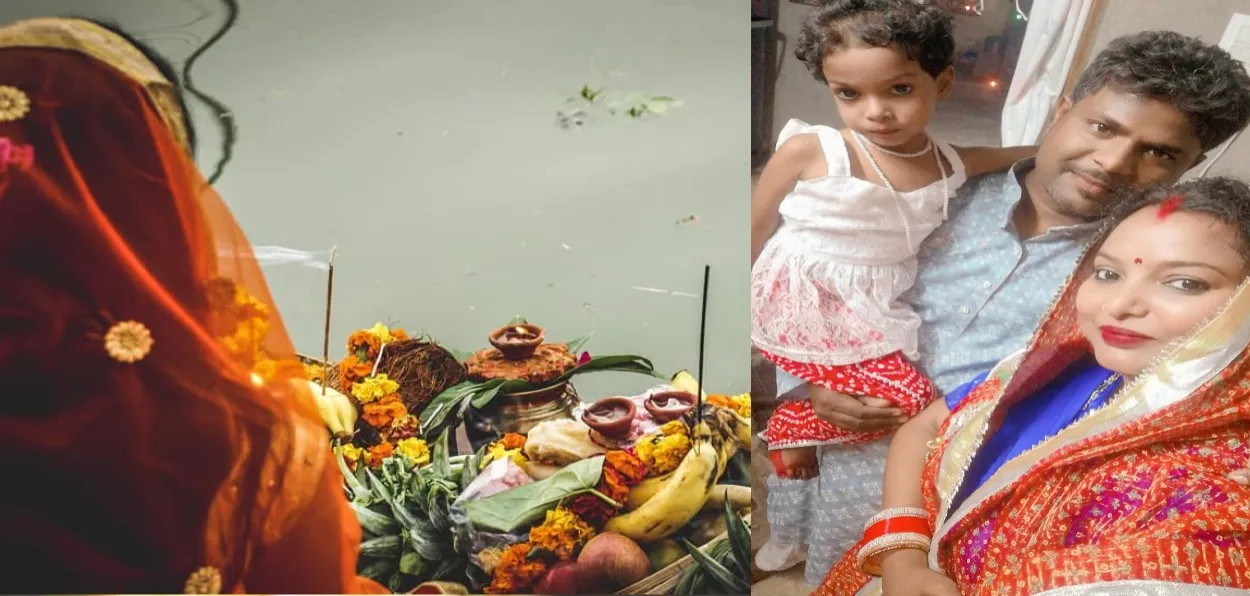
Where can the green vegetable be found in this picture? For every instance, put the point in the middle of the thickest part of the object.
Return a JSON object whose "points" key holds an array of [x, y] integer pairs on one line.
{"points": [[386, 546], [517, 508], [724, 565]]}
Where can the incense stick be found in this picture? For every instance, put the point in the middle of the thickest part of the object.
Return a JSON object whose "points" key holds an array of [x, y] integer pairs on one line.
{"points": [[698, 396], [325, 339]]}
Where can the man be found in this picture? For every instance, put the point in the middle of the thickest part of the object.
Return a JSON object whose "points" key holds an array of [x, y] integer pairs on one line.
{"points": [[1146, 111]]}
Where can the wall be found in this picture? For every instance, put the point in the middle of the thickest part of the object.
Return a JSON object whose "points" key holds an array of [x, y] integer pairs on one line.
{"points": [[1122, 17], [420, 138]]}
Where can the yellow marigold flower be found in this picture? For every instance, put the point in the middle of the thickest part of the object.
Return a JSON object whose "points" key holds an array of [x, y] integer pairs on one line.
{"points": [[314, 372], [352, 455], [384, 333], [374, 388], [562, 533], [674, 427], [498, 450], [416, 450], [488, 559], [662, 453], [740, 404]]}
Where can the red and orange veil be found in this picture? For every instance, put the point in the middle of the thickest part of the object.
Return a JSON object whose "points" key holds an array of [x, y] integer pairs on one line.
{"points": [[156, 430]]}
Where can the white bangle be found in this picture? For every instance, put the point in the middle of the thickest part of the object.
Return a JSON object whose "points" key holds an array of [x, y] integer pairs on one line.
{"points": [[866, 559]]}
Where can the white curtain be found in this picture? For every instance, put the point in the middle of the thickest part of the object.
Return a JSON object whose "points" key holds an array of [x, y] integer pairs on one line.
{"points": [[1050, 44]]}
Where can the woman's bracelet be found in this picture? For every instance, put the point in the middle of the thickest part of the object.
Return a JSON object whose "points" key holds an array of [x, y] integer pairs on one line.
{"points": [[893, 529]]}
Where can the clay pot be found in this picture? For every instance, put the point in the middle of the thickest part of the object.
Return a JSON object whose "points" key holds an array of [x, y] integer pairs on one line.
{"points": [[517, 342], [669, 405], [612, 417]]}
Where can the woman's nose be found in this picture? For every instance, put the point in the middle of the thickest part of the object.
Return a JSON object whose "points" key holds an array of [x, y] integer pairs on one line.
{"points": [[1124, 302]]}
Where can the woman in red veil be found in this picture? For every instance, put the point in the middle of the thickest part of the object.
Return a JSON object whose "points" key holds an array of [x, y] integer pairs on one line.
{"points": [[157, 432]]}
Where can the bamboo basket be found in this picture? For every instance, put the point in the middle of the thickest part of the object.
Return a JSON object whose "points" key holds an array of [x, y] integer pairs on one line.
{"points": [[664, 580]]}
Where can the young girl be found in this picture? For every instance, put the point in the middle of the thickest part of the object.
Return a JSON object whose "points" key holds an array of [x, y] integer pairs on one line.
{"points": [[854, 206]]}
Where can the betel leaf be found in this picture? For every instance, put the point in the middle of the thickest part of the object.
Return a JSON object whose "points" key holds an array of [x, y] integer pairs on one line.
{"points": [[513, 509]]}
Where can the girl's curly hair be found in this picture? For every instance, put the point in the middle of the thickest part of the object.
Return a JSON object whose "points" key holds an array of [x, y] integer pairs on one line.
{"points": [[917, 28]]}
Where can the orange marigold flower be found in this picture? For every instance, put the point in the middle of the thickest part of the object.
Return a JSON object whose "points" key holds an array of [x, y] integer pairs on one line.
{"points": [[513, 441], [562, 533], [399, 334], [381, 413], [613, 485], [352, 371], [631, 469], [516, 573], [379, 452], [364, 345]]}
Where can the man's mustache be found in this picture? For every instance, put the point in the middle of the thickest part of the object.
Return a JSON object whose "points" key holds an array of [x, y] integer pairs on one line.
{"points": [[1098, 176]]}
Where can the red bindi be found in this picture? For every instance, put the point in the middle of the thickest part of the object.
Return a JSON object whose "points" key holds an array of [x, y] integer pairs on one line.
{"points": [[1137, 261]]}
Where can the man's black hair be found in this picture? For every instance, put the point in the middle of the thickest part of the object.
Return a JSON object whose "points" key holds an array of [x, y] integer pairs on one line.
{"points": [[1202, 81]]}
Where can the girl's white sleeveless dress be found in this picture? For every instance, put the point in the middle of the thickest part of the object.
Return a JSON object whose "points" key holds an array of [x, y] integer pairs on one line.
{"points": [[825, 290]]}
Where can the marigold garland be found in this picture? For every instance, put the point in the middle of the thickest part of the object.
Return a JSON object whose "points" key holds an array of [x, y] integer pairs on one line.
{"points": [[381, 413], [739, 404]]}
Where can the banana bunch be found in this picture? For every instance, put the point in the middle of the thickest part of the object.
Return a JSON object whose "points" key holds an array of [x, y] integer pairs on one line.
{"points": [[338, 412], [681, 496], [684, 381]]}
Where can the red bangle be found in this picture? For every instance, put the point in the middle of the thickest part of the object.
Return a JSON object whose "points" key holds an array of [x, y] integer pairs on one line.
{"points": [[903, 524]]}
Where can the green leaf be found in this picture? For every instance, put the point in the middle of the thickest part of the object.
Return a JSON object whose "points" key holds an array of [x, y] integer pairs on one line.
{"points": [[451, 401], [575, 346], [487, 395], [411, 563], [427, 543], [518, 320], [439, 457], [739, 541], [520, 507], [396, 583], [373, 522], [379, 570], [384, 546], [722, 576]]}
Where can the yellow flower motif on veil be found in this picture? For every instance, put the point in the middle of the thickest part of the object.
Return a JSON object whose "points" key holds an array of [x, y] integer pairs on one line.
{"points": [[205, 580], [13, 104]]}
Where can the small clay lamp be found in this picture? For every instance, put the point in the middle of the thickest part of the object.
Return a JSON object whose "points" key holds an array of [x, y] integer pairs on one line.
{"points": [[669, 405], [517, 342], [612, 417]]}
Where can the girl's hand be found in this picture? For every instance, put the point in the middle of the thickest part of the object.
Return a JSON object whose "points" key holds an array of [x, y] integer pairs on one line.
{"points": [[906, 572]]}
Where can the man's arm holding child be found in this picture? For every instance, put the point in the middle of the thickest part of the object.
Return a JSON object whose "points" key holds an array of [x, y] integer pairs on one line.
{"points": [[984, 160]]}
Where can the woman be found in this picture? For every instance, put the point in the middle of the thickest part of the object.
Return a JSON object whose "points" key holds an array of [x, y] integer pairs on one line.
{"points": [[158, 434], [1098, 459]]}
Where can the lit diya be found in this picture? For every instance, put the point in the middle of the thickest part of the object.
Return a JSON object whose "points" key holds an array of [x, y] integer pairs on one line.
{"points": [[669, 405], [612, 417], [517, 342]]}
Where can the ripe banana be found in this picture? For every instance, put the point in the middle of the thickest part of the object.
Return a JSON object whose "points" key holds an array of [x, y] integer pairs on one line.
{"points": [[643, 491], [338, 412], [684, 381], [681, 498]]}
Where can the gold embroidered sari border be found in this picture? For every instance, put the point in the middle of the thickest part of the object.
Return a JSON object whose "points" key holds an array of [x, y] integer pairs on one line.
{"points": [[98, 43]]}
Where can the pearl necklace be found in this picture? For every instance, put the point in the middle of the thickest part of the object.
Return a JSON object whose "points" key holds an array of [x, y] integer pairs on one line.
{"points": [[928, 146], [898, 198]]}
